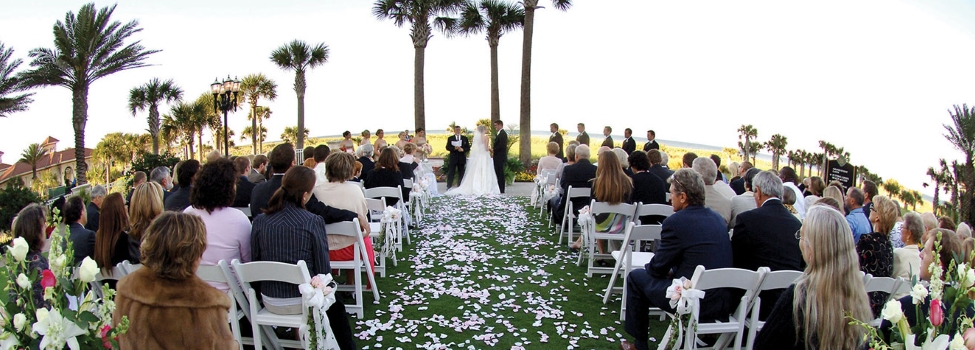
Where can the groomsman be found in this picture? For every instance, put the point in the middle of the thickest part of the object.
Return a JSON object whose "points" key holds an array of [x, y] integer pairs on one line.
{"points": [[628, 144], [557, 138], [583, 137], [458, 145], [652, 143], [608, 142], [500, 153]]}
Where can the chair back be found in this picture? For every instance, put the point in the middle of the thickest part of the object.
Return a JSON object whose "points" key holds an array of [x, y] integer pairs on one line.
{"points": [[880, 284], [257, 271], [779, 279], [376, 207], [211, 273], [577, 192], [407, 183], [746, 280], [383, 192], [654, 209], [624, 209], [644, 233], [344, 228], [246, 210]]}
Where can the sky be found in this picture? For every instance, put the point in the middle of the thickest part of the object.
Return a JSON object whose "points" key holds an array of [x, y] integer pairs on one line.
{"points": [[874, 76]]}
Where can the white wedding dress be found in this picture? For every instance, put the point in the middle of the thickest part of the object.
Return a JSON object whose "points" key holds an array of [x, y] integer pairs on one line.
{"points": [[479, 178]]}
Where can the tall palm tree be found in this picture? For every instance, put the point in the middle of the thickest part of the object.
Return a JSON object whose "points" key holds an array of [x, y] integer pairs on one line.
{"points": [[962, 134], [300, 57], [12, 98], [87, 47], [262, 112], [776, 145], [208, 118], [149, 96], [247, 132], [291, 134], [187, 120], [253, 88], [418, 14], [524, 147], [33, 154], [496, 17], [747, 133]]}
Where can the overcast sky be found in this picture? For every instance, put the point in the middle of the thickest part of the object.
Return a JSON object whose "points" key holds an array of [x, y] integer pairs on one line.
{"points": [[876, 77]]}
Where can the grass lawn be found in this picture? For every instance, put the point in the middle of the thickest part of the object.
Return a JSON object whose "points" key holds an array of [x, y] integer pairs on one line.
{"points": [[486, 273]]}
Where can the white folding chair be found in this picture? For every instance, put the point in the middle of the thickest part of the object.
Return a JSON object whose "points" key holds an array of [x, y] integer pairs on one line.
{"points": [[773, 280], [568, 218], [392, 192], [272, 271], [246, 210], [879, 284], [705, 280], [623, 214], [214, 273], [652, 210], [245, 306], [542, 181], [114, 274], [358, 265], [376, 208], [629, 258]]}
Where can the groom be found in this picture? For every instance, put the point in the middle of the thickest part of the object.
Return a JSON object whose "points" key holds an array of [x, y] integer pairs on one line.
{"points": [[458, 145], [500, 147]]}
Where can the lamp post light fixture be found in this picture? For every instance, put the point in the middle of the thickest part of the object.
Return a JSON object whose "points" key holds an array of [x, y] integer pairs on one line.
{"points": [[225, 99]]}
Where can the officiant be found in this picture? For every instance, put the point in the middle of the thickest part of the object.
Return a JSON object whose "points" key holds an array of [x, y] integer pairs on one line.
{"points": [[458, 146]]}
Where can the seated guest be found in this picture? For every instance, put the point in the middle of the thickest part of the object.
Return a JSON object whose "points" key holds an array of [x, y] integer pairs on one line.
{"points": [[408, 157], [31, 225], [665, 160], [720, 177], [228, 231], [947, 223], [405, 169], [623, 158], [858, 222], [244, 187], [570, 156], [551, 162], [82, 239], [146, 205], [734, 171], [657, 165], [689, 158], [647, 187], [964, 231], [790, 179], [713, 199], [339, 193], [281, 158], [829, 202], [610, 186], [874, 249], [765, 236], [357, 172], [258, 167], [745, 201], [167, 305], [366, 152], [789, 201], [836, 194], [309, 163], [577, 175], [111, 239], [186, 172], [812, 313], [387, 174], [815, 189], [692, 236], [321, 152], [738, 184], [307, 153], [907, 260], [287, 233], [721, 182], [160, 175], [98, 194], [138, 178]]}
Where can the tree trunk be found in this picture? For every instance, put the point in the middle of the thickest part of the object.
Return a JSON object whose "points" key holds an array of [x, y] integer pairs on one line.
{"points": [[79, 118], [524, 120], [300, 91], [200, 137], [154, 127], [495, 93], [254, 130], [419, 108], [775, 160], [968, 176], [937, 193]]}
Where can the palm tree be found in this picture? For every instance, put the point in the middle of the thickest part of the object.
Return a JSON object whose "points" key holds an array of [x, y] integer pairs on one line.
{"points": [[149, 96], [299, 57], [33, 154], [776, 145], [495, 17], [10, 85], [263, 112], [187, 120], [892, 187], [208, 118], [962, 134], [746, 133], [247, 132], [525, 148], [87, 47], [290, 134], [418, 14], [253, 88]]}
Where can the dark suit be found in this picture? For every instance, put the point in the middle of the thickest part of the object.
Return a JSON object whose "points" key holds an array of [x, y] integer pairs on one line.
{"points": [[765, 236], [649, 189], [557, 138], [583, 138], [608, 142], [457, 160], [385, 177], [693, 236], [367, 166], [244, 189], [652, 144], [500, 156], [576, 175], [179, 200], [255, 177], [738, 185], [661, 172], [92, 217], [629, 145], [262, 194], [407, 170], [83, 242]]}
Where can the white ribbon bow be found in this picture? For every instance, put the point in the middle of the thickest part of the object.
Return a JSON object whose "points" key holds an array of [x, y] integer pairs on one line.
{"points": [[318, 299], [683, 298]]}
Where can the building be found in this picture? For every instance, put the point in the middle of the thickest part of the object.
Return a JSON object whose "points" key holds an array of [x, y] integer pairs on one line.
{"points": [[57, 161]]}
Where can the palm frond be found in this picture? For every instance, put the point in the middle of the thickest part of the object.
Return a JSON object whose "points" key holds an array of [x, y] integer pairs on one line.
{"points": [[562, 5], [11, 100]]}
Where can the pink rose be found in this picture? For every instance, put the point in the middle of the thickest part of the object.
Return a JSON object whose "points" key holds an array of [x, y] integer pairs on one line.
{"points": [[937, 314], [48, 279], [969, 337]]}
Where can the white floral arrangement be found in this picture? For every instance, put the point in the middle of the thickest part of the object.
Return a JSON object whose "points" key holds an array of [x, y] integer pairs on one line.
{"points": [[59, 323], [550, 192], [319, 296], [682, 297]]}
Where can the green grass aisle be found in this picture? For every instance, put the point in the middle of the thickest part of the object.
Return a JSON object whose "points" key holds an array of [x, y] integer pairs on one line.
{"points": [[486, 273]]}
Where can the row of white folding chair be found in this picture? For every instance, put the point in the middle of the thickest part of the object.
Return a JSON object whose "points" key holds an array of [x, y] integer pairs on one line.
{"points": [[547, 177], [569, 216], [221, 273], [772, 280], [887, 285], [392, 192], [629, 258], [623, 213], [727, 278], [359, 264], [376, 207]]}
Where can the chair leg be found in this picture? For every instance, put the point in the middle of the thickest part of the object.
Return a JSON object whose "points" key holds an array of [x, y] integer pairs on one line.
{"points": [[616, 271]]}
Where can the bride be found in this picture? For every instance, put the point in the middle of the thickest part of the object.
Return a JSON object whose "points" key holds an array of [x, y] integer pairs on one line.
{"points": [[479, 178]]}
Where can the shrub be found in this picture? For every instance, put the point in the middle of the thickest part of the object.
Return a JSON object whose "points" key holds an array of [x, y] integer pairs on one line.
{"points": [[146, 161], [14, 197]]}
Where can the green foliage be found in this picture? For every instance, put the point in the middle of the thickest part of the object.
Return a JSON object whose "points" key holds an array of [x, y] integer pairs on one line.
{"points": [[14, 197], [511, 167], [146, 161]]}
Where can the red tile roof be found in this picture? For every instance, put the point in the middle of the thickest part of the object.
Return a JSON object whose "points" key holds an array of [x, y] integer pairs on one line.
{"points": [[53, 159]]}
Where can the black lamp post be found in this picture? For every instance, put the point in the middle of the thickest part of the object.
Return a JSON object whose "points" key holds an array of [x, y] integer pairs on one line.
{"points": [[225, 99]]}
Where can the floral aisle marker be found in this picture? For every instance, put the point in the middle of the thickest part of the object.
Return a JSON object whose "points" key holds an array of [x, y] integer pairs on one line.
{"points": [[483, 272], [71, 315]]}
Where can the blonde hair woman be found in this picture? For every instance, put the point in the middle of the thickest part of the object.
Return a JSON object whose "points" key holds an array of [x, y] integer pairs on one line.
{"points": [[875, 249], [612, 186], [146, 205], [834, 193], [811, 314]]}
